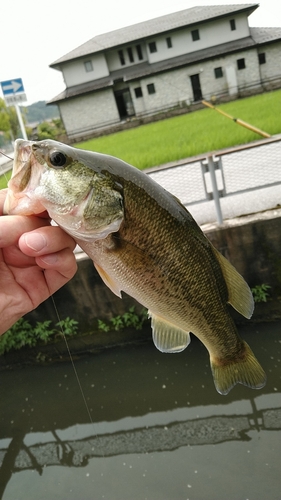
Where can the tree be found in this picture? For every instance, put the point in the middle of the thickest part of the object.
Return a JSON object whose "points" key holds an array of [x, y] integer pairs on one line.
{"points": [[14, 122], [50, 130], [4, 117], [9, 123]]}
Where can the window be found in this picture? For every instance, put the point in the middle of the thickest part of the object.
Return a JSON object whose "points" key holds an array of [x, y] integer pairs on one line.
{"points": [[151, 88], [138, 92], [121, 57], [218, 72], [139, 52], [262, 58], [232, 24], [130, 54], [152, 47], [241, 63], [169, 42], [88, 66], [195, 35]]}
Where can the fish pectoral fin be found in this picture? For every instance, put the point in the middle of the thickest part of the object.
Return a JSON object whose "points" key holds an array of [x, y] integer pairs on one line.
{"points": [[167, 337], [108, 280], [244, 369], [239, 293]]}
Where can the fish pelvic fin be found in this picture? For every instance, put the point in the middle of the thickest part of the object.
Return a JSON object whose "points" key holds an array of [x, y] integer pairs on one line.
{"points": [[244, 370], [239, 293], [167, 337]]}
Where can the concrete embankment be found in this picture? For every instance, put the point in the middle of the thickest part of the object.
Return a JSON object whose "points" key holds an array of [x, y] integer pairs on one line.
{"points": [[251, 243]]}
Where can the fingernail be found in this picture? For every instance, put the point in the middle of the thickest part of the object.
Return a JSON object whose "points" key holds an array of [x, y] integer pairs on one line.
{"points": [[50, 259], [35, 241]]}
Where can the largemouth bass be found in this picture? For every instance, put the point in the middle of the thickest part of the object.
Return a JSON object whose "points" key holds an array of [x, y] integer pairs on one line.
{"points": [[143, 241]]}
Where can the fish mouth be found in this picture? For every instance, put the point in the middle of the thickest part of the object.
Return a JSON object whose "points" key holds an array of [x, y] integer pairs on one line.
{"points": [[26, 174]]}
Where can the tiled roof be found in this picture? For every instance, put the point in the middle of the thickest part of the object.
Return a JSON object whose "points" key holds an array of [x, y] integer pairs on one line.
{"points": [[153, 27], [265, 35], [258, 36]]}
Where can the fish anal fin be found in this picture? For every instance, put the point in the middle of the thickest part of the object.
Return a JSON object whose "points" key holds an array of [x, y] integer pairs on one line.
{"points": [[239, 293], [167, 337], [108, 280], [244, 369]]}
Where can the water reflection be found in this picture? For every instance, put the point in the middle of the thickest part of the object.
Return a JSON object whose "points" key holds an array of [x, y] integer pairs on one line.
{"points": [[142, 403], [51, 449]]}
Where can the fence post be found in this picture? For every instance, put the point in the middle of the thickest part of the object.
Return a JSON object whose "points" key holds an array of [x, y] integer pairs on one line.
{"points": [[215, 188]]}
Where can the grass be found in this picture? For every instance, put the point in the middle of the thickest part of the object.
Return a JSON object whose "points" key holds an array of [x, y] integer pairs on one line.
{"points": [[193, 133], [4, 179], [190, 134]]}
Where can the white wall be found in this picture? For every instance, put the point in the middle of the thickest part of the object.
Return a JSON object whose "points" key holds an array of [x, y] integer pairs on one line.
{"points": [[74, 72], [113, 60], [211, 34]]}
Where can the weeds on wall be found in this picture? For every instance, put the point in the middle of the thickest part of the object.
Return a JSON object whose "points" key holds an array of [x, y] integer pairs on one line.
{"points": [[22, 333], [129, 319], [260, 292]]}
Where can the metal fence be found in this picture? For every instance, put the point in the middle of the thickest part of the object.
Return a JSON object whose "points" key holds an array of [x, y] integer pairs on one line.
{"points": [[216, 181], [226, 184]]}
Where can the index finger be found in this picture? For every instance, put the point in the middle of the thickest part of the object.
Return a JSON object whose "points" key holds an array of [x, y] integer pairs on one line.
{"points": [[13, 226]]}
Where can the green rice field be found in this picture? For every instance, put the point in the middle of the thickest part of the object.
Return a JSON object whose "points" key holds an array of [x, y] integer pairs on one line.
{"points": [[4, 179], [193, 133], [190, 134]]}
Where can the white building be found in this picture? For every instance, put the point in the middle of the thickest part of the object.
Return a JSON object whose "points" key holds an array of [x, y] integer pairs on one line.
{"points": [[170, 62]]}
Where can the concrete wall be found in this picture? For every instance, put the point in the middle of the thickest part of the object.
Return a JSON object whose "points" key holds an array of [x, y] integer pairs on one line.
{"points": [[89, 111], [270, 71], [174, 87], [85, 114], [252, 244]]}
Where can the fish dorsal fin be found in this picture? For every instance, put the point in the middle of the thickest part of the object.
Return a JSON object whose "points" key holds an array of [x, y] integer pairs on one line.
{"points": [[108, 280], [167, 337], [239, 293]]}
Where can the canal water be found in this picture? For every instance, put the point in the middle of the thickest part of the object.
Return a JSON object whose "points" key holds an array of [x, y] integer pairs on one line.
{"points": [[155, 427]]}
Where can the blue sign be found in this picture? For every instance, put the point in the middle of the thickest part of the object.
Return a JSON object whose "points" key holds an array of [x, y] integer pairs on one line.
{"points": [[14, 86]]}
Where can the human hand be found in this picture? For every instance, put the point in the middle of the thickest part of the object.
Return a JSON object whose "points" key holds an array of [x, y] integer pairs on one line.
{"points": [[36, 259]]}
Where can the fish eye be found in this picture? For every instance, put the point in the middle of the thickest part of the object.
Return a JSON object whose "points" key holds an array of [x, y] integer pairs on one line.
{"points": [[58, 159]]}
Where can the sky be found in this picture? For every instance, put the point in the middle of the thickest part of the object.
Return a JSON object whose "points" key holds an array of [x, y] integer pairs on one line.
{"points": [[35, 34]]}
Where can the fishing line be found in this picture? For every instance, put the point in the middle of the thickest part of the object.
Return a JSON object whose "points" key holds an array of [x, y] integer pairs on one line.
{"points": [[63, 334], [72, 362], [4, 154], [4, 173], [75, 371]]}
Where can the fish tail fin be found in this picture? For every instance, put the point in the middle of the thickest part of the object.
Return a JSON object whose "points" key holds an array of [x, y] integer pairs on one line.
{"points": [[244, 370]]}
